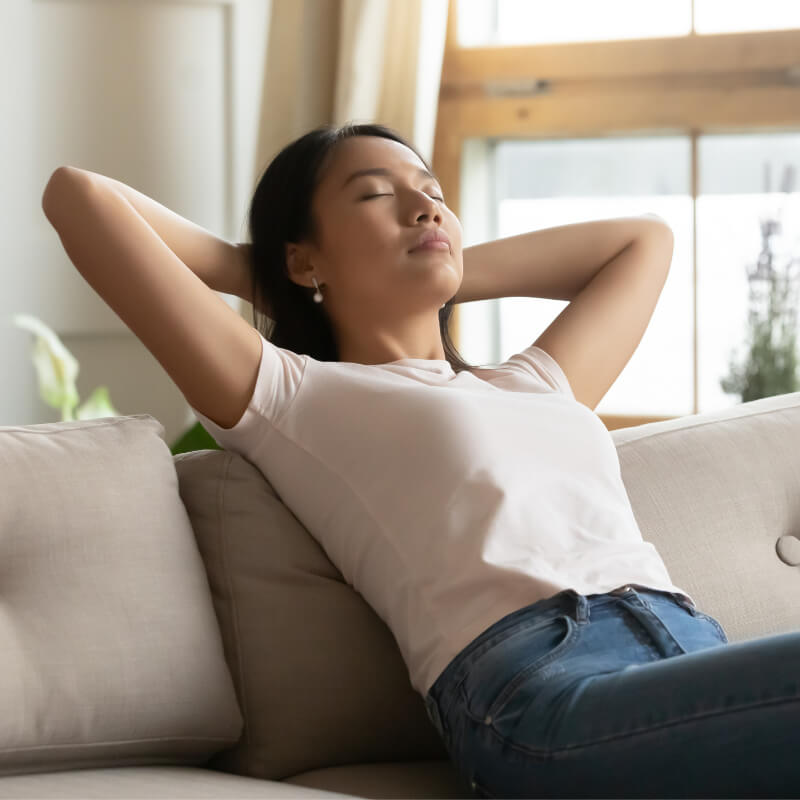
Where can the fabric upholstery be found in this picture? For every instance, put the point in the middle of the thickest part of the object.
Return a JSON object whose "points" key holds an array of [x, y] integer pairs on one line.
{"points": [[718, 494], [318, 674], [169, 783], [112, 655]]}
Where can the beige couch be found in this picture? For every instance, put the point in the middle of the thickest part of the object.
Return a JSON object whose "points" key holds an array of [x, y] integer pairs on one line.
{"points": [[170, 629]]}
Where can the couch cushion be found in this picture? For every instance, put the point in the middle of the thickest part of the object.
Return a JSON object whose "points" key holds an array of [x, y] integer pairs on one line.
{"points": [[111, 651], [718, 494], [154, 783], [319, 675]]}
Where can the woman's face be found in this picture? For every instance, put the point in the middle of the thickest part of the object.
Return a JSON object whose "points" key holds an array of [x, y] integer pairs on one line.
{"points": [[367, 225]]}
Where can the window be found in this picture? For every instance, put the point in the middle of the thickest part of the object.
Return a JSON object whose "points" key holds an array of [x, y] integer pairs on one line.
{"points": [[682, 125], [546, 183], [505, 22], [741, 183], [724, 16], [510, 22]]}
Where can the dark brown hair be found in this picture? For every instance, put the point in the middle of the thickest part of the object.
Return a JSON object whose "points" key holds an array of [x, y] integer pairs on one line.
{"points": [[281, 212]]}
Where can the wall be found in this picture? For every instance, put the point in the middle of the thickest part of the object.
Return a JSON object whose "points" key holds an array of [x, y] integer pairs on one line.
{"points": [[162, 95]]}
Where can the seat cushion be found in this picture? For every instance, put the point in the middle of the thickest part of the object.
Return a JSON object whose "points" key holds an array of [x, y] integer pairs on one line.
{"points": [[154, 783], [111, 650]]}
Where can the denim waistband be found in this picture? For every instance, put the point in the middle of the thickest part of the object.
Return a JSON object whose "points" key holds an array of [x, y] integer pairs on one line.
{"points": [[566, 601]]}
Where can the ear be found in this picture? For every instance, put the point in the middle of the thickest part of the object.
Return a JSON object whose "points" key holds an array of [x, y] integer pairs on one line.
{"points": [[297, 264]]}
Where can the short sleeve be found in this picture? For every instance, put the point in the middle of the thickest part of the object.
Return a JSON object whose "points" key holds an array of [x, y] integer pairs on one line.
{"points": [[540, 364], [280, 373]]}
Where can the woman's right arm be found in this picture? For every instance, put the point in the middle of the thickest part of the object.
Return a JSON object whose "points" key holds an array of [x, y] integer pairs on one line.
{"points": [[209, 351], [221, 265]]}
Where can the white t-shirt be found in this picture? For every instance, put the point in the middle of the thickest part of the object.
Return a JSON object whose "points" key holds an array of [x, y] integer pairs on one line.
{"points": [[446, 500]]}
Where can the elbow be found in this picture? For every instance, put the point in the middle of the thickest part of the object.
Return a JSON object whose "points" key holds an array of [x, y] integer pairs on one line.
{"points": [[53, 189], [659, 222], [657, 228], [57, 187]]}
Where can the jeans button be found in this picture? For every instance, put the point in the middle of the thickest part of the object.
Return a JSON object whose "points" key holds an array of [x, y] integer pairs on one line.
{"points": [[623, 590]]}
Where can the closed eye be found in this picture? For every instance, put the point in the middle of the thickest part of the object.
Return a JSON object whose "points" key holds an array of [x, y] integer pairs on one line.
{"points": [[367, 197]]}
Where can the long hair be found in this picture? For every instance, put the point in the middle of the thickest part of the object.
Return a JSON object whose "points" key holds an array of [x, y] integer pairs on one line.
{"points": [[281, 212]]}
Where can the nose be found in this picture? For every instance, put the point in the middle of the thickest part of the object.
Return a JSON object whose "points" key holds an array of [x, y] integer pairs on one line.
{"points": [[431, 207]]}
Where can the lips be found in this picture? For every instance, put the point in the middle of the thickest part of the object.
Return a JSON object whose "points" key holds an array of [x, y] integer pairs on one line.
{"points": [[431, 235]]}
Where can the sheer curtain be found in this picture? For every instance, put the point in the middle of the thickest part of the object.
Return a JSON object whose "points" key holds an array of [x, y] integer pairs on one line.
{"points": [[337, 61]]}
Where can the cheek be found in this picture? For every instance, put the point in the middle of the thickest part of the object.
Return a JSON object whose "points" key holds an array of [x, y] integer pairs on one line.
{"points": [[372, 233], [361, 245]]}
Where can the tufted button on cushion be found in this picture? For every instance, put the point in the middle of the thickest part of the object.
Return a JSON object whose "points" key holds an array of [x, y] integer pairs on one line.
{"points": [[788, 548]]}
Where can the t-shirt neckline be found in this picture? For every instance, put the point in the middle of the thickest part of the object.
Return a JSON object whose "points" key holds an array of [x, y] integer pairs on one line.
{"points": [[429, 363]]}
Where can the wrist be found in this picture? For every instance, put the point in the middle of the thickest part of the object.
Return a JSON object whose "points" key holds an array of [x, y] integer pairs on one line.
{"points": [[244, 270]]}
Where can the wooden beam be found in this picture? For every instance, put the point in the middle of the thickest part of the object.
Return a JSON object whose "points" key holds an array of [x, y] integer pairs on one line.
{"points": [[692, 55], [447, 165], [606, 112], [614, 421], [451, 38]]}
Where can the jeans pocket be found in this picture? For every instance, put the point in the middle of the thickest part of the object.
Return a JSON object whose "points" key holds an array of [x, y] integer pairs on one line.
{"points": [[521, 657]]}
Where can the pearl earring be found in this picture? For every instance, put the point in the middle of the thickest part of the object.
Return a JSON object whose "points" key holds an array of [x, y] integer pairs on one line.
{"points": [[318, 293]]}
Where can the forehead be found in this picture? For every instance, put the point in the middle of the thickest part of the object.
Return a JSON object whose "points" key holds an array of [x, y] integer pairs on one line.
{"points": [[368, 152]]}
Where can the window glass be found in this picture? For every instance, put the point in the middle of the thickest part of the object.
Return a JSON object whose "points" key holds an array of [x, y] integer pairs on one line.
{"points": [[499, 22], [509, 22], [725, 16], [541, 184], [746, 185]]}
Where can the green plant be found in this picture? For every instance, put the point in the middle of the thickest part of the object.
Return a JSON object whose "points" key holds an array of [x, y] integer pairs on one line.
{"points": [[57, 370], [770, 365]]}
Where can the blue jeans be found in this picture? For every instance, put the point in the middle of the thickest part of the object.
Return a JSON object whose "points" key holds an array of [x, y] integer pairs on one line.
{"points": [[633, 693]]}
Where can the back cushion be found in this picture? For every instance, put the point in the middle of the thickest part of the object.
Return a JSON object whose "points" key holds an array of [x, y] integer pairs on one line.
{"points": [[112, 655], [319, 675]]}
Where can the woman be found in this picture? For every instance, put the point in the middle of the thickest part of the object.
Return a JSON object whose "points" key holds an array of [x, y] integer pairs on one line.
{"points": [[479, 510]]}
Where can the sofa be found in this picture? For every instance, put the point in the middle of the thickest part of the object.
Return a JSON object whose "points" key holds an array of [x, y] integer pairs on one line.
{"points": [[171, 630]]}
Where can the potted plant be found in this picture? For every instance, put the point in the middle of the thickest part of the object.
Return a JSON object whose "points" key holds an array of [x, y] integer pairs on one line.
{"points": [[57, 371]]}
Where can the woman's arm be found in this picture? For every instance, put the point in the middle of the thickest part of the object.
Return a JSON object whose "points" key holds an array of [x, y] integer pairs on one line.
{"points": [[221, 265], [555, 263], [208, 350]]}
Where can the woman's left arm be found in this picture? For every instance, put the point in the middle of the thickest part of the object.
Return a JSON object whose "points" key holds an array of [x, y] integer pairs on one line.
{"points": [[554, 263]]}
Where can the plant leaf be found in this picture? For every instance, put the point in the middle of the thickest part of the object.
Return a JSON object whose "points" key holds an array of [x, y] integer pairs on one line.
{"points": [[195, 438], [56, 367], [98, 405]]}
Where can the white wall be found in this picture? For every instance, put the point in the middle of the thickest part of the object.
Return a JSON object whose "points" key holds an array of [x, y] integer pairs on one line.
{"points": [[160, 94], [18, 392]]}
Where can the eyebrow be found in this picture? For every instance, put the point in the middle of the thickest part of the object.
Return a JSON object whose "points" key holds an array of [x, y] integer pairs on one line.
{"points": [[383, 171]]}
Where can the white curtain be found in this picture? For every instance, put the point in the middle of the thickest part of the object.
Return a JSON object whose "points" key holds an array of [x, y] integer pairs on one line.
{"points": [[337, 61]]}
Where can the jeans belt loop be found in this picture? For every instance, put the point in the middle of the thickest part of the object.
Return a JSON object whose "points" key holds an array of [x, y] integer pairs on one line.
{"points": [[684, 603], [581, 609]]}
